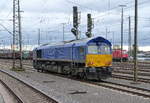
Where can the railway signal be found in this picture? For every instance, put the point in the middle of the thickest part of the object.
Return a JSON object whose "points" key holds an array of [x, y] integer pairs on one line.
{"points": [[89, 26], [75, 29]]}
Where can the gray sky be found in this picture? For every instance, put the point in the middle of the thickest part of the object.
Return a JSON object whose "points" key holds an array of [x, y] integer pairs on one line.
{"points": [[48, 15]]}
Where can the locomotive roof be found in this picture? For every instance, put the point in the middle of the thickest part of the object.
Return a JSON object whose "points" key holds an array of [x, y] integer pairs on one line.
{"points": [[80, 42]]}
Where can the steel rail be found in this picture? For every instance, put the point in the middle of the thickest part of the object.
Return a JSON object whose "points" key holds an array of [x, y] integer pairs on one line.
{"points": [[119, 87], [35, 89], [19, 100]]}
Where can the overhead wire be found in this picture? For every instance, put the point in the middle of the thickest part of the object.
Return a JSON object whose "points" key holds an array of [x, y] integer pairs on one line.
{"points": [[129, 6], [43, 17]]}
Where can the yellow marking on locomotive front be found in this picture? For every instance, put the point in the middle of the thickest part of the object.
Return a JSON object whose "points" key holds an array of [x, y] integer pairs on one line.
{"points": [[97, 60]]}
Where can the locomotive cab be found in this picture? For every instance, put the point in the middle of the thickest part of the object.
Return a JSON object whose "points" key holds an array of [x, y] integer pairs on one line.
{"points": [[99, 60]]}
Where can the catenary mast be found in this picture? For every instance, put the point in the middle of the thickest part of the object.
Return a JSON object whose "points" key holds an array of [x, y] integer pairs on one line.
{"points": [[17, 34]]}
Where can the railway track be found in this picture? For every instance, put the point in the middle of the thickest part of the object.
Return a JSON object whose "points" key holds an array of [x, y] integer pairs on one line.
{"points": [[17, 98], [141, 65], [130, 69], [35, 92], [129, 77], [139, 62], [117, 71], [119, 87], [127, 74], [114, 86], [125, 88], [141, 79], [111, 85], [140, 73]]}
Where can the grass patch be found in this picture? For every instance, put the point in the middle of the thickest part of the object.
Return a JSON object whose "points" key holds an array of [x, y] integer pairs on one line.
{"points": [[17, 69]]}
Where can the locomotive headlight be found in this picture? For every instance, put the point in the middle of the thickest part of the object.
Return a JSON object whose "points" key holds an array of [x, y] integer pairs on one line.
{"points": [[90, 63], [92, 69]]}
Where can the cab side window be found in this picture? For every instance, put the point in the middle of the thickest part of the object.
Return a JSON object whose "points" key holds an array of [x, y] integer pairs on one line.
{"points": [[39, 53]]}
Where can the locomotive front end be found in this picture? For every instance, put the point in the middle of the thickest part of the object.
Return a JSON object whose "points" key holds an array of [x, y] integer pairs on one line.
{"points": [[99, 60]]}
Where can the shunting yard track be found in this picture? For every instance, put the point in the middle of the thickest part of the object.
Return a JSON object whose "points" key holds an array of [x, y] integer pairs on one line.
{"points": [[108, 84], [11, 92], [114, 86], [121, 70], [129, 65], [130, 77], [125, 88], [125, 71], [34, 91]]}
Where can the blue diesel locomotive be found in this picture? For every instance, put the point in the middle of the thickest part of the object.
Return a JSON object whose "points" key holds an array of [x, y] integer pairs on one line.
{"points": [[89, 58]]}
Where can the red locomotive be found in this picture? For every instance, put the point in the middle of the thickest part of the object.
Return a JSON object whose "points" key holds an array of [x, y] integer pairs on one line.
{"points": [[117, 55]]}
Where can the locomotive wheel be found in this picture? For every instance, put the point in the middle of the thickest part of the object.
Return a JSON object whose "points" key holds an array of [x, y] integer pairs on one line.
{"points": [[81, 75], [38, 70], [78, 76], [42, 70], [85, 76]]}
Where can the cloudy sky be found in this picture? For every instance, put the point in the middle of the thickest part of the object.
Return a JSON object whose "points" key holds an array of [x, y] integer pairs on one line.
{"points": [[48, 16]]}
